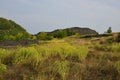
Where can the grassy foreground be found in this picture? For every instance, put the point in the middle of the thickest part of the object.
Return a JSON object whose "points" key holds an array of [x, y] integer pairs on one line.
{"points": [[61, 61]]}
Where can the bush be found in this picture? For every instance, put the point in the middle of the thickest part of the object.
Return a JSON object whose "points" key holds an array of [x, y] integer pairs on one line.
{"points": [[67, 51], [3, 68], [44, 36], [28, 56], [42, 62], [117, 65], [109, 30], [60, 34], [62, 67], [114, 48], [63, 33]]}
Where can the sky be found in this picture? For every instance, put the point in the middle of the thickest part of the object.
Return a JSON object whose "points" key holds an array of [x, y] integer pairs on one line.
{"points": [[48, 15]]}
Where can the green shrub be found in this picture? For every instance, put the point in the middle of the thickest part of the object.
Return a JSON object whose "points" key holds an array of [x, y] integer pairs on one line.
{"points": [[60, 34], [44, 36], [46, 61], [27, 55], [117, 65], [109, 30], [3, 68], [114, 48], [62, 67], [2, 54], [7, 56], [64, 50]]}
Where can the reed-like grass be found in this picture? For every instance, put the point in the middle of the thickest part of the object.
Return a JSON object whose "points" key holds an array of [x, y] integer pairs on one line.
{"points": [[55, 57], [60, 61]]}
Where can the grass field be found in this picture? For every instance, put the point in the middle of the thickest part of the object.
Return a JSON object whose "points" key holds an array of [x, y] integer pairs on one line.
{"points": [[62, 59]]}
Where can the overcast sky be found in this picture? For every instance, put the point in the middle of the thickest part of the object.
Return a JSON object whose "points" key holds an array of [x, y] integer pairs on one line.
{"points": [[47, 15]]}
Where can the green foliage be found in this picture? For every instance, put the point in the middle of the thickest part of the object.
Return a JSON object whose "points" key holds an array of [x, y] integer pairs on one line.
{"points": [[3, 68], [70, 32], [60, 34], [29, 54], [62, 67], [6, 56], [44, 36], [71, 51], [55, 60], [63, 33], [110, 48], [21, 35], [66, 51], [32, 57], [81, 52], [9, 30], [34, 37], [109, 30], [3, 54], [4, 24], [117, 65], [114, 48], [9, 37]]}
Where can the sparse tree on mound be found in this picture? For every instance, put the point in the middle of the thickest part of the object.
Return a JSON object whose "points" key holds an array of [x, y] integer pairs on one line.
{"points": [[109, 30]]}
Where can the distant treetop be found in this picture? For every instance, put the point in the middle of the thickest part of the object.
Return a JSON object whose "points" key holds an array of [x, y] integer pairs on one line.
{"points": [[109, 30]]}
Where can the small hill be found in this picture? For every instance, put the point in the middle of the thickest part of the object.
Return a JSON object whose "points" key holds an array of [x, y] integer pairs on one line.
{"points": [[6, 24], [61, 33], [9, 30], [81, 31]]}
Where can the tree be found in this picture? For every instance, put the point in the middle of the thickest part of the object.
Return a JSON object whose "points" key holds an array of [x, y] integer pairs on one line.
{"points": [[60, 34], [109, 30], [34, 37], [69, 32], [44, 36]]}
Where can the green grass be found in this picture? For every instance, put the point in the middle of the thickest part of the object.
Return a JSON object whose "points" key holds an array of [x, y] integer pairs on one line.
{"points": [[117, 65], [61, 60], [26, 54], [3, 68], [34, 57], [62, 67], [108, 47]]}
